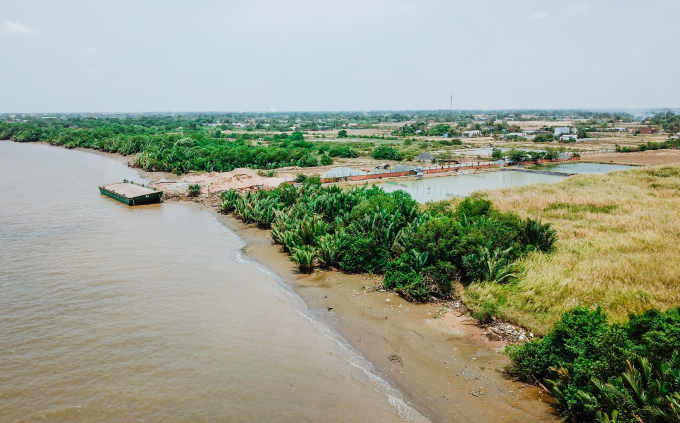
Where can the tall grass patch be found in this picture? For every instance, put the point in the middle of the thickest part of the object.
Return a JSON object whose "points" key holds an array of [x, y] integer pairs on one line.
{"points": [[618, 247]]}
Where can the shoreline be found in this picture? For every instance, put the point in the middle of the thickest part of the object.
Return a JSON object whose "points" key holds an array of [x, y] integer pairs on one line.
{"points": [[445, 367], [440, 361]]}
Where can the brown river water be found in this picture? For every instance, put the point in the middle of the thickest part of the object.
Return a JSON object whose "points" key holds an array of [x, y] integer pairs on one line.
{"points": [[152, 313]]}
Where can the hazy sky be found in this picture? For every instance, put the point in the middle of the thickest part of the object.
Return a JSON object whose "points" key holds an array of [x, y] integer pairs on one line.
{"points": [[203, 55]]}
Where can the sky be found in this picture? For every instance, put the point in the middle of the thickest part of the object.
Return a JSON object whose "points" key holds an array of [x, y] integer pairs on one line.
{"points": [[304, 55]]}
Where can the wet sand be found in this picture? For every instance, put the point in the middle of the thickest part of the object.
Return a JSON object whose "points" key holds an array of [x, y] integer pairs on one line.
{"points": [[445, 368]]}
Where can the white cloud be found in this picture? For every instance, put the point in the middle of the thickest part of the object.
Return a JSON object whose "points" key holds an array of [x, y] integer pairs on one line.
{"points": [[579, 8], [90, 50], [539, 15], [17, 28]]}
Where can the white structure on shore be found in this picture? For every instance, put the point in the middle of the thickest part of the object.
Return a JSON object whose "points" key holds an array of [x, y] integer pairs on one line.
{"points": [[562, 130]]}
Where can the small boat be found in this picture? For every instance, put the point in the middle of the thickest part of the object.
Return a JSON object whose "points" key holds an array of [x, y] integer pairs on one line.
{"points": [[131, 193]]}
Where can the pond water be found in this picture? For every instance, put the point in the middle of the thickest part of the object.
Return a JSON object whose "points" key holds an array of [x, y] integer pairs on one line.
{"points": [[436, 189], [579, 167]]}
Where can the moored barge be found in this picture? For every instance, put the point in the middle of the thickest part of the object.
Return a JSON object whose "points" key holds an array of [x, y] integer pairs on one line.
{"points": [[131, 193]]}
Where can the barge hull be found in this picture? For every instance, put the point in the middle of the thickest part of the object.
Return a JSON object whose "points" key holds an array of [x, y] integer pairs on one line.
{"points": [[131, 194]]}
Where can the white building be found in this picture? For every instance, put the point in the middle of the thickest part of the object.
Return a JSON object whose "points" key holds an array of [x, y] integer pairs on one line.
{"points": [[566, 137], [530, 134], [562, 130]]}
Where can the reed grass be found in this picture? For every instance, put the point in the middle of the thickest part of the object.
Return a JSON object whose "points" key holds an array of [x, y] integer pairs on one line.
{"points": [[618, 247]]}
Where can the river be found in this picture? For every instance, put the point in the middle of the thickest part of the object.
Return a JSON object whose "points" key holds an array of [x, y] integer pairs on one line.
{"points": [[113, 313]]}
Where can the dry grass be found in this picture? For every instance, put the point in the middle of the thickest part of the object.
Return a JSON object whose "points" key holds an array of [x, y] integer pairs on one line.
{"points": [[619, 247], [649, 157]]}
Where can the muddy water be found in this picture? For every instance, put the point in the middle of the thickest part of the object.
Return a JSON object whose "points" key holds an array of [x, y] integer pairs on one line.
{"points": [[112, 313], [447, 187]]}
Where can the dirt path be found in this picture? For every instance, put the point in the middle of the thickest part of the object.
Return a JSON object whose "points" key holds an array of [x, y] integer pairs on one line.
{"points": [[445, 367]]}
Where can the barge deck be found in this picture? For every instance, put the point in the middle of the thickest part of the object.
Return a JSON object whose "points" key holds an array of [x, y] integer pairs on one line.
{"points": [[131, 193]]}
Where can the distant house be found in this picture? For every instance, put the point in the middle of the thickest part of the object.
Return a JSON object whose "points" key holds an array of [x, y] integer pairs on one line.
{"points": [[568, 137], [562, 130], [530, 134], [620, 129], [648, 131], [471, 134], [425, 157]]}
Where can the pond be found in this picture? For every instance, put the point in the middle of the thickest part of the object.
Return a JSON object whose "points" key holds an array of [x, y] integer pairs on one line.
{"points": [[445, 187], [580, 167]]}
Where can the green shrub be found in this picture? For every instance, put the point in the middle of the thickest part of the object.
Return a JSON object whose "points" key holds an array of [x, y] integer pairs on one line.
{"points": [[439, 277], [194, 190], [487, 265], [583, 347], [647, 391], [325, 160], [342, 133], [539, 236], [342, 151], [228, 200], [517, 156], [304, 257], [363, 254], [384, 152], [403, 275]]}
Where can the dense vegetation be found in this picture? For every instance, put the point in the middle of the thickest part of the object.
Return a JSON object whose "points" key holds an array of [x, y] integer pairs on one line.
{"points": [[366, 230], [667, 120], [516, 155], [648, 146], [179, 152], [608, 372]]}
